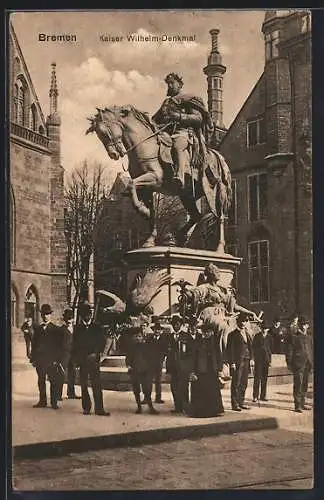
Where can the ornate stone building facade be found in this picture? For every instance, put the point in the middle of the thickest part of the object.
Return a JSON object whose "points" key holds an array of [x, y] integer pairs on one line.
{"points": [[37, 242], [268, 148]]}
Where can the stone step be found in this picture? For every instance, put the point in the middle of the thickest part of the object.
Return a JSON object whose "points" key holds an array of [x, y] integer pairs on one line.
{"points": [[117, 378]]}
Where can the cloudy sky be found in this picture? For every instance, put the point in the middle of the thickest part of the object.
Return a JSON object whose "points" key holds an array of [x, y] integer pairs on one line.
{"points": [[93, 73]]}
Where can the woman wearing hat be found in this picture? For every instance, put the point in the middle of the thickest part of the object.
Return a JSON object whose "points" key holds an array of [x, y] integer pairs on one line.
{"points": [[206, 397]]}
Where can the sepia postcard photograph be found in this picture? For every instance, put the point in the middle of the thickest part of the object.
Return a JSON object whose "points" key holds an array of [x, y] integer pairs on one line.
{"points": [[161, 249]]}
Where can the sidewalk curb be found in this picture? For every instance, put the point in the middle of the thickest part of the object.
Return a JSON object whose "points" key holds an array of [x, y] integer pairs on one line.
{"points": [[139, 438]]}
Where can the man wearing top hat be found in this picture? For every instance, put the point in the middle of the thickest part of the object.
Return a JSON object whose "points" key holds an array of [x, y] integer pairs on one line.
{"points": [[137, 343], [68, 362], [299, 359], [278, 337], [262, 352], [28, 330], [88, 343], [158, 353], [240, 358], [180, 363], [47, 355]]}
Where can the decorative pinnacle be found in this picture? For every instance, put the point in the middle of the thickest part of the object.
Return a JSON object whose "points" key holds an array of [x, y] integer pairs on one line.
{"points": [[214, 38], [53, 93]]}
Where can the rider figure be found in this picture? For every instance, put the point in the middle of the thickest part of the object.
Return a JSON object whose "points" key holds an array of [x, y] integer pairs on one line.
{"points": [[190, 123]]}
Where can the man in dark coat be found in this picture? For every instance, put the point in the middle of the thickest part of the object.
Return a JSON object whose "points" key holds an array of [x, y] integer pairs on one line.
{"points": [[180, 364], [28, 330], [47, 355], [89, 342], [278, 335], [137, 343], [68, 362], [240, 357], [299, 358], [262, 351], [159, 351]]}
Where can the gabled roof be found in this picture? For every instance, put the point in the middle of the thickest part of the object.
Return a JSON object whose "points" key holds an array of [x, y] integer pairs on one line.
{"points": [[27, 74], [241, 109], [119, 186]]}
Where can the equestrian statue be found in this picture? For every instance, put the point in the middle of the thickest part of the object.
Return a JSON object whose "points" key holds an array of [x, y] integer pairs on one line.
{"points": [[168, 153]]}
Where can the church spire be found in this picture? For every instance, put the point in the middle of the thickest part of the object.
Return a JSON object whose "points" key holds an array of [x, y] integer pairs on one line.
{"points": [[53, 93], [215, 72]]}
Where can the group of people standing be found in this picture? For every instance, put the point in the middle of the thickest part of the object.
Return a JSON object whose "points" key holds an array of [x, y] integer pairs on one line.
{"points": [[194, 359], [193, 352], [56, 351]]}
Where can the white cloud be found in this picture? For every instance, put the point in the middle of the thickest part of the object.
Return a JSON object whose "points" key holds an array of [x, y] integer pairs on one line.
{"points": [[136, 54], [90, 85]]}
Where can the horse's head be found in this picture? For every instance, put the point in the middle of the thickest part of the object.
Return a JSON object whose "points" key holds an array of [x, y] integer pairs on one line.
{"points": [[108, 124]]}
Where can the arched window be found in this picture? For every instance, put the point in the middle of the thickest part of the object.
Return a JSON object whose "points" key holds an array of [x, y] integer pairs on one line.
{"points": [[33, 117], [21, 101], [14, 306], [15, 103], [41, 130], [21, 104], [32, 303], [12, 228]]}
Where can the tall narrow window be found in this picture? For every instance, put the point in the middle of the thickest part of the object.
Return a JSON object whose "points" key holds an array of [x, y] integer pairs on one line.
{"points": [[117, 241], [305, 23], [33, 117], [21, 104], [15, 103], [259, 283], [255, 133], [232, 213], [271, 45], [258, 199], [133, 239]]}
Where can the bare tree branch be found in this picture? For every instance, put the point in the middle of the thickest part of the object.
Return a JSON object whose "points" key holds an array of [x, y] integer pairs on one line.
{"points": [[83, 194]]}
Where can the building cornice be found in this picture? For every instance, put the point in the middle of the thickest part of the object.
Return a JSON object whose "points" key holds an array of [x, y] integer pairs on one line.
{"points": [[30, 145], [27, 271], [278, 162]]}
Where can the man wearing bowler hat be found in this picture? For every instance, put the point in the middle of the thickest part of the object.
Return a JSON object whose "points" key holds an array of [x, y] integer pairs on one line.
{"points": [[68, 361], [299, 359], [89, 343], [262, 352], [240, 358], [46, 355]]}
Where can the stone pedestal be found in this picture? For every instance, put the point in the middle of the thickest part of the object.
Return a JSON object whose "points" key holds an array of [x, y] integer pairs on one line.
{"points": [[181, 263]]}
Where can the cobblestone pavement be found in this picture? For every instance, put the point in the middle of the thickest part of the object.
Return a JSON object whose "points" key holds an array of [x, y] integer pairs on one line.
{"points": [[257, 460]]}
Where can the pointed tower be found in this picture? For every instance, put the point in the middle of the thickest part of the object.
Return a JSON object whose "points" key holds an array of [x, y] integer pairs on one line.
{"points": [[215, 72], [58, 244]]}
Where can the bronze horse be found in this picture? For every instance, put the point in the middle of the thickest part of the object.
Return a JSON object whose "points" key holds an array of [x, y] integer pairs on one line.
{"points": [[125, 130]]}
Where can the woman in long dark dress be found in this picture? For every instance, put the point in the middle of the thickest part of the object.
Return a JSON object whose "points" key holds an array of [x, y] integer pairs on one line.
{"points": [[206, 397]]}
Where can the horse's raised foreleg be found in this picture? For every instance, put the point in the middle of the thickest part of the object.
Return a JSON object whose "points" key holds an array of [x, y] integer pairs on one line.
{"points": [[147, 180], [148, 199]]}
